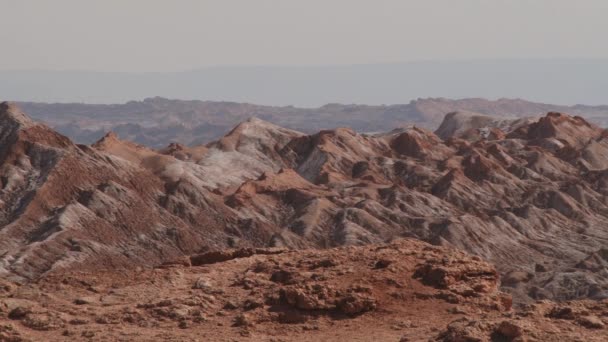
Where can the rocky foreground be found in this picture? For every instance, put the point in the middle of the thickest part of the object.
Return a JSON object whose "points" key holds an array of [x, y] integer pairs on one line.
{"points": [[403, 291]]}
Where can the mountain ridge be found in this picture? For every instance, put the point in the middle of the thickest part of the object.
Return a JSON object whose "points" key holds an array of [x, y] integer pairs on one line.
{"points": [[530, 198], [156, 122]]}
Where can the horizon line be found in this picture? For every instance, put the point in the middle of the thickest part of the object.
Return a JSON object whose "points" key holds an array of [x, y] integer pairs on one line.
{"points": [[313, 66]]}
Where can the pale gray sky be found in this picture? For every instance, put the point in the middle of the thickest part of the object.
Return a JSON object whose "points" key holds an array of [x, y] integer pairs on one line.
{"points": [[173, 35]]}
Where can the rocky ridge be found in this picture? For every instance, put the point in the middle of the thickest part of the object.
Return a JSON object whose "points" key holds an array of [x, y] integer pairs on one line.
{"points": [[528, 196]]}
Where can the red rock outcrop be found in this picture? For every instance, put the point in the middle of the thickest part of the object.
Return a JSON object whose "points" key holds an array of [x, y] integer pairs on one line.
{"points": [[406, 290]]}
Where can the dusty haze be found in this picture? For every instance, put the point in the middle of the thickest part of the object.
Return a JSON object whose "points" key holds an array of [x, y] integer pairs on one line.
{"points": [[180, 35], [303, 53]]}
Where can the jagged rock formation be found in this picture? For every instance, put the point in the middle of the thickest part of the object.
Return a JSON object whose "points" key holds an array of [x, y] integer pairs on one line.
{"points": [[64, 204], [528, 195], [403, 291], [464, 124]]}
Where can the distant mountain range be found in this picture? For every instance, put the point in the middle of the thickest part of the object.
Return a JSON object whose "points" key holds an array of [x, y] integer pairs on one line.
{"points": [[157, 122], [551, 81]]}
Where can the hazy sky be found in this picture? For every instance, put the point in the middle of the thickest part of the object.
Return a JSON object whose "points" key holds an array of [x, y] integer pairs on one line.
{"points": [[172, 35]]}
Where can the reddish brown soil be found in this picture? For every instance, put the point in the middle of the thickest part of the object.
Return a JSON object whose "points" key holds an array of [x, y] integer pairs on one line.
{"points": [[404, 291]]}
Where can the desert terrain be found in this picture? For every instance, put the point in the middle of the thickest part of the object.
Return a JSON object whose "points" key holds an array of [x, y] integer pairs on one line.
{"points": [[489, 228]]}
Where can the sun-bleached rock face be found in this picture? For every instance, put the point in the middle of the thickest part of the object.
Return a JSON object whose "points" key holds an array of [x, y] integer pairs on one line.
{"points": [[64, 205], [528, 195], [475, 126], [248, 151]]}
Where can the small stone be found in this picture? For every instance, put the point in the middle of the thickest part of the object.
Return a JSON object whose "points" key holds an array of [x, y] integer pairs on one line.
{"points": [[251, 304], [382, 263], [230, 305], [591, 322], [292, 317], [80, 301], [202, 284], [457, 310], [310, 327], [102, 320], [166, 302], [562, 313], [78, 321], [88, 334], [482, 288], [242, 320], [19, 312], [509, 329], [283, 277], [356, 304]]}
